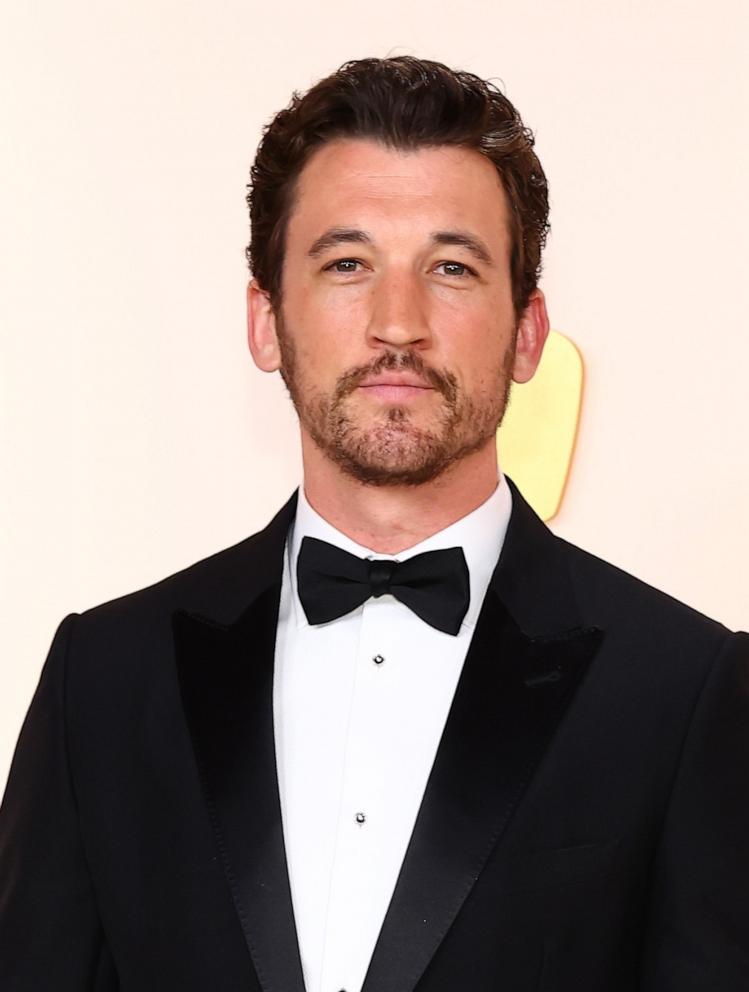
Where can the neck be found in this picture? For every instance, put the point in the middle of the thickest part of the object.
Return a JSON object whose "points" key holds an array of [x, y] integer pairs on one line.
{"points": [[389, 519]]}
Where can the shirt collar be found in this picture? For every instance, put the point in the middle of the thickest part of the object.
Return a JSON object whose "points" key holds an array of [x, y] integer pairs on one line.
{"points": [[480, 534]]}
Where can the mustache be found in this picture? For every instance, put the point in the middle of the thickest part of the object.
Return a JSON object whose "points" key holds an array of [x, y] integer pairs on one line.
{"points": [[392, 361]]}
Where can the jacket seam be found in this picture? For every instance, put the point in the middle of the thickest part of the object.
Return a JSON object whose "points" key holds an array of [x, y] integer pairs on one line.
{"points": [[710, 668]]}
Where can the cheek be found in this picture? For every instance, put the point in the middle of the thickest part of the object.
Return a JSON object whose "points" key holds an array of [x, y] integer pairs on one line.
{"points": [[474, 351], [324, 348]]}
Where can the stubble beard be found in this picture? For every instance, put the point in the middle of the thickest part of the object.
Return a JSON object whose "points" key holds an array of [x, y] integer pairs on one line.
{"points": [[390, 449]]}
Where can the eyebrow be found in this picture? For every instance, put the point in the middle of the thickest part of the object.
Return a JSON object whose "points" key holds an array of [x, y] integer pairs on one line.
{"points": [[470, 242], [352, 235], [338, 236]]}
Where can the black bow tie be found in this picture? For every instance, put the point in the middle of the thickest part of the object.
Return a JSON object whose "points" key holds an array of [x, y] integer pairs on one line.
{"points": [[331, 582]]}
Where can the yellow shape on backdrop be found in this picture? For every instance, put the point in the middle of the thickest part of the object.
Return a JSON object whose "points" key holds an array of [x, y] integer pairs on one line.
{"points": [[537, 437]]}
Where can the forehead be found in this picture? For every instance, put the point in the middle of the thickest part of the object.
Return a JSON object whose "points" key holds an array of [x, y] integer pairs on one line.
{"points": [[346, 180]]}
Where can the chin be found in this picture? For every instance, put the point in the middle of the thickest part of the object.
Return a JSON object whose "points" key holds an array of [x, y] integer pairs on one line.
{"points": [[381, 474], [385, 456]]}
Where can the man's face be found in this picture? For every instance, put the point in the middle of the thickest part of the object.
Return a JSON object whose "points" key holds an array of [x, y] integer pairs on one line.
{"points": [[396, 334]]}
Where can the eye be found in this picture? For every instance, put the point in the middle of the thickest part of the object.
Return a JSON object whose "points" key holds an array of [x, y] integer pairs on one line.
{"points": [[456, 269], [338, 266]]}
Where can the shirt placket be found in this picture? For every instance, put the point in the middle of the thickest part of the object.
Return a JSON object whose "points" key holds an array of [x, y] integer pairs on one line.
{"points": [[354, 908]]}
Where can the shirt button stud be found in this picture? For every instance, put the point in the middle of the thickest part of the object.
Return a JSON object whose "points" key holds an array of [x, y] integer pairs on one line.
{"points": [[378, 659], [360, 818]]}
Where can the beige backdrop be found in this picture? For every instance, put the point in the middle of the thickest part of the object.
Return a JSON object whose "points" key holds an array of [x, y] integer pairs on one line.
{"points": [[136, 437]]}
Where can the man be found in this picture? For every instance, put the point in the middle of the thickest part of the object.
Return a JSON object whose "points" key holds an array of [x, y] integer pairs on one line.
{"points": [[403, 738]]}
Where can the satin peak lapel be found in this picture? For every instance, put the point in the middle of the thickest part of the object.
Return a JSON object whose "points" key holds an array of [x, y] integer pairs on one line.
{"points": [[514, 690], [226, 680]]}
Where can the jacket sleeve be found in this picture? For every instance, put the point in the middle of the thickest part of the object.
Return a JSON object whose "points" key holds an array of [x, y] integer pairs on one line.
{"points": [[50, 934], [698, 931]]}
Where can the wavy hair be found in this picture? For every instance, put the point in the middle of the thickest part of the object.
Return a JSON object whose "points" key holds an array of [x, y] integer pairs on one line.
{"points": [[405, 103]]}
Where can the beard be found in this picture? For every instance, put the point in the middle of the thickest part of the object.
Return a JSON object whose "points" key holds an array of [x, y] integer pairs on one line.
{"points": [[388, 448]]}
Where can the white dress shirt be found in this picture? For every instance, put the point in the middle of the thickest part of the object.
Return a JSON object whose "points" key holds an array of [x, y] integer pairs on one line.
{"points": [[359, 706]]}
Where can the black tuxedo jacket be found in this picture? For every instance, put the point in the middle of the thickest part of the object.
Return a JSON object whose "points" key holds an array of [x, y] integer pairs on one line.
{"points": [[585, 825]]}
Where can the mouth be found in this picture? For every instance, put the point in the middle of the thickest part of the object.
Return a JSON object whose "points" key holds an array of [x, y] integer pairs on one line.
{"points": [[395, 387]]}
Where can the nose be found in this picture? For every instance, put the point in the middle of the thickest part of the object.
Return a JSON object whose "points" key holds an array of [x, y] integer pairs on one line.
{"points": [[398, 316]]}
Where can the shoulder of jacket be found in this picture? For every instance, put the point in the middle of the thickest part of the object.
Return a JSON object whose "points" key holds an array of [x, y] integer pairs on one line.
{"points": [[619, 599]]}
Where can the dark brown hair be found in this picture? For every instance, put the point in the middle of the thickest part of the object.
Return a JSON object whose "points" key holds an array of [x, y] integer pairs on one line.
{"points": [[405, 103]]}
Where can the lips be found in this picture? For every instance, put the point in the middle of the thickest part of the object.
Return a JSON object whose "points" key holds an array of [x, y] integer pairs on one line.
{"points": [[396, 393], [397, 379], [395, 387]]}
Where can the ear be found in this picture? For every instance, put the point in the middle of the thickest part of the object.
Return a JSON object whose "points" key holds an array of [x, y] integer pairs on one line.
{"points": [[261, 329], [533, 329]]}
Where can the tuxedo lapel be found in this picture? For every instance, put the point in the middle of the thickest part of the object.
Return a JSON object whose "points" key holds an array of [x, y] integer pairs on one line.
{"points": [[226, 681], [514, 689], [528, 654]]}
